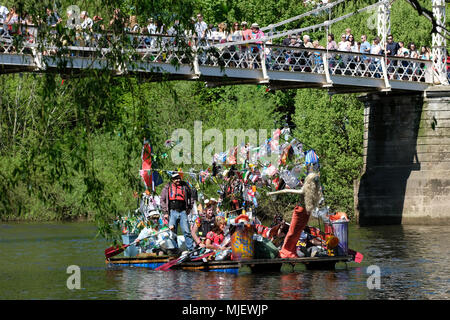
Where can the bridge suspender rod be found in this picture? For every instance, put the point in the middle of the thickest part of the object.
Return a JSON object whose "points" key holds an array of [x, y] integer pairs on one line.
{"points": [[327, 71], [326, 66], [387, 85], [263, 64], [196, 66]]}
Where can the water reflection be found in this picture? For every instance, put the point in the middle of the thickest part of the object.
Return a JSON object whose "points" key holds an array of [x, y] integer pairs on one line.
{"points": [[137, 283], [414, 263]]}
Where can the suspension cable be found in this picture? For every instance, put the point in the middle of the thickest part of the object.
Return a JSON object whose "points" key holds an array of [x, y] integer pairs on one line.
{"points": [[294, 31], [328, 6]]}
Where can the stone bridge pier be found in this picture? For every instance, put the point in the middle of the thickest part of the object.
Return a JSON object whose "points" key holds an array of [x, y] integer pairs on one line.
{"points": [[406, 173]]}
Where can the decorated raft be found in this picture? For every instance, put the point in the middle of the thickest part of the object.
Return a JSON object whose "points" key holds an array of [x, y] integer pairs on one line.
{"points": [[251, 244], [230, 266]]}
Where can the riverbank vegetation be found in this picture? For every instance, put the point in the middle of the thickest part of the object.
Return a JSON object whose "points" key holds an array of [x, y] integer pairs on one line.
{"points": [[70, 147]]}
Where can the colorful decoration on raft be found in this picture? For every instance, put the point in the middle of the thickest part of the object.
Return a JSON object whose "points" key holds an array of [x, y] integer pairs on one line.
{"points": [[150, 177], [278, 163]]}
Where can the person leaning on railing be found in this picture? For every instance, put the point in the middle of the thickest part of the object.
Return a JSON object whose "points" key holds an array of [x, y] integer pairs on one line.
{"points": [[256, 34], [28, 29], [345, 46], [375, 63], [318, 61], [331, 45], [53, 18], [392, 48], [3, 15], [200, 30], [234, 36], [12, 22]]}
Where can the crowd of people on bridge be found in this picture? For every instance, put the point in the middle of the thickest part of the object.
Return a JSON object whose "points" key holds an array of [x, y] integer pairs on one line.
{"points": [[248, 55]]}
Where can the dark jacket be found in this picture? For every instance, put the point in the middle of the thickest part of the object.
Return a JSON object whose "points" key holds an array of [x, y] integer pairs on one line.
{"points": [[165, 197], [393, 48]]}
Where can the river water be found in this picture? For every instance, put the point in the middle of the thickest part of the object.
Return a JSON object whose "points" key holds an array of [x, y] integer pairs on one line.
{"points": [[414, 263]]}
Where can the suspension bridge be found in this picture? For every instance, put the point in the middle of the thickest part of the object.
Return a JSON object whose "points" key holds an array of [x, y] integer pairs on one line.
{"points": [[255, 61]]}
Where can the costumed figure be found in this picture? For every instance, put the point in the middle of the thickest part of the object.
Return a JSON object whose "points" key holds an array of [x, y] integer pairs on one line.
{"points": [[310, 196]]}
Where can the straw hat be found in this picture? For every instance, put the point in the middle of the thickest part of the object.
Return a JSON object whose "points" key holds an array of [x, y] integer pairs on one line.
{"points": [[255, 25], [154, 213], [210, 202]]}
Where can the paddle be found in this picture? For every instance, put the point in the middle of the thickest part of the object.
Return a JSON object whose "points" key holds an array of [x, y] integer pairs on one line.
{"points": [[183, 257], [206, 255], [115, 250], [357, 256]]}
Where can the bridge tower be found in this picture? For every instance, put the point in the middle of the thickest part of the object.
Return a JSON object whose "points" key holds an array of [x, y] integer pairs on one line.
{"points": [[406, 171], [439, 42]]}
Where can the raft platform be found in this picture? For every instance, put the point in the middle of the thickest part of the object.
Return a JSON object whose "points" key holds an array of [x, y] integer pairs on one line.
{"points": [[229, 266]]}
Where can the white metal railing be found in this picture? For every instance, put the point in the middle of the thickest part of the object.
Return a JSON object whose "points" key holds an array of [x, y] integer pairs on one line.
{"points": [[265, 57]]}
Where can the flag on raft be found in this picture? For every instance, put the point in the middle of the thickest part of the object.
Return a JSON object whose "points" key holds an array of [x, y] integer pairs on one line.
{"points": [[311, 157], [312, 160], [151, 178]]}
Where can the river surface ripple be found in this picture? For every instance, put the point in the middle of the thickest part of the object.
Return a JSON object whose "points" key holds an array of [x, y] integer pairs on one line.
{"points": [[414, 262]]}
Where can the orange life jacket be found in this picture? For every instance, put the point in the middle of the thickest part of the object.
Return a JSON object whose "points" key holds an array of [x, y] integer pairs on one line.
{"points": [[176, 192]]}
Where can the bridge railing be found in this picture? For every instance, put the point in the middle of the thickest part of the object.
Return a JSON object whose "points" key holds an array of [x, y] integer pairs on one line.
{"points": [[265, 57], [320, 61]]}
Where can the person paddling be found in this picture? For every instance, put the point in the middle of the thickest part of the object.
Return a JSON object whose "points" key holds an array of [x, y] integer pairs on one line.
{"points": [[203, 225], [215, 238]]}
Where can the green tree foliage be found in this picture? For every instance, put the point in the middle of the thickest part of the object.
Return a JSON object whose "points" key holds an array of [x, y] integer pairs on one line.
{"points": [[332, 126]]}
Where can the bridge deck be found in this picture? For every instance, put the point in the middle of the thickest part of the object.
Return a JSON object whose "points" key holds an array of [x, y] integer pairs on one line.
{"points": [[277, 66]]}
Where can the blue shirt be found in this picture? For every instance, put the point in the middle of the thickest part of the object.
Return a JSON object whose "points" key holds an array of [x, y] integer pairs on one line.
{"points": [[365, 47]]}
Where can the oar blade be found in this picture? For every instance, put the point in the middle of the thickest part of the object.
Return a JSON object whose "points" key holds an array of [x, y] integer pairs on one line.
{"points": [[357, 256], [167, 265], [170, 264], [113, 251], [206, 255]]}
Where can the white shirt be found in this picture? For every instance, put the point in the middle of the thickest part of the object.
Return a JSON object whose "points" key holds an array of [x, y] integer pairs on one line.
{"points": [[135, 28], [215, 35], [200, 28], [87, 23], [220, 35], [3, 14], [151, 28], [14, 19], [375, 49], [172, 31], [344, 46], [236, 36]]}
